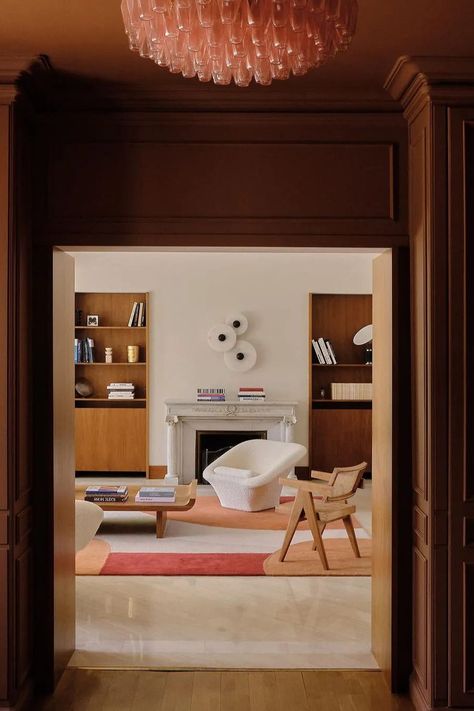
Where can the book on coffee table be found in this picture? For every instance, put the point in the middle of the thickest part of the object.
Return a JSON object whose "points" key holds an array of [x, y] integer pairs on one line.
{"points": [[107, 493], [156, 494]]}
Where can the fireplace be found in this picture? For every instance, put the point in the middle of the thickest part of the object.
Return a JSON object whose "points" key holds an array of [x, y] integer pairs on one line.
{"points": [[247, 420], [210, 444]]}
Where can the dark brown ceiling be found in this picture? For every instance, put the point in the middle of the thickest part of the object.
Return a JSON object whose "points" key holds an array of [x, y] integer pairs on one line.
{"points": [[86, 38]]}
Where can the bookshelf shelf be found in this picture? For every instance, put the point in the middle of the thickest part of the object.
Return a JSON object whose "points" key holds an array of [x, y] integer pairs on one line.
{"points": [[340, 431], [111, 365], [85, 400], [329, 401], [343, 365], [110, 328], [112, 435]]}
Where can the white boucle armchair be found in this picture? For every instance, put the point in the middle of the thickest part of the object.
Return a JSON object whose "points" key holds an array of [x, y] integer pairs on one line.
{"points": [[246, 477]]}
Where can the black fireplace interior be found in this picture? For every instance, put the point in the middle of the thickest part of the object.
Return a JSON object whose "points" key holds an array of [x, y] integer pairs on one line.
{"points": [[211, 444]]}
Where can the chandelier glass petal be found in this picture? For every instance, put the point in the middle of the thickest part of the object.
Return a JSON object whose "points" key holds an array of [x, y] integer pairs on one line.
{"points": [[238, 40]]}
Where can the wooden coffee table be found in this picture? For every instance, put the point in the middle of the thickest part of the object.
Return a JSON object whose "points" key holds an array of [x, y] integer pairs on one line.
{"points": [[185, 500]]}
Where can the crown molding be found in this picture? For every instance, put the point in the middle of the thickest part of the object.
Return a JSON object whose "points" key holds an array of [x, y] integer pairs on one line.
{"points": [[13, 70], [65, 94], [53, 90], [415, 80]]}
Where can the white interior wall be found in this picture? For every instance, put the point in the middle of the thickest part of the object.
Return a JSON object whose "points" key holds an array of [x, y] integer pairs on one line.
{"points": [[191, 291]]}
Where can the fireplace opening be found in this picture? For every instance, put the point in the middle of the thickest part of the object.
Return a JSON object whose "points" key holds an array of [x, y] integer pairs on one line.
{"points": [[211, 444]]}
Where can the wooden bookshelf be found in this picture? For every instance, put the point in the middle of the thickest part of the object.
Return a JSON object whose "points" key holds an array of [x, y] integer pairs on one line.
{"points": [[112, 435], [340, 431]]}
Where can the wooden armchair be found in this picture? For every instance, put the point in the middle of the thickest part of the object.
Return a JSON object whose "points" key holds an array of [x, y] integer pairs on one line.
{"points": [[334, 489]]}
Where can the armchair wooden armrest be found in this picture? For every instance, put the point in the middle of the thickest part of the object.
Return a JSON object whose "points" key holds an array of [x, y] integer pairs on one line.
{"points": [[313, 487], [326, 476]]}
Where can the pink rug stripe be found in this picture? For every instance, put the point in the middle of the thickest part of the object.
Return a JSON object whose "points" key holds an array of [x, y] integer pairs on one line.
{"points": [[184, 564]]}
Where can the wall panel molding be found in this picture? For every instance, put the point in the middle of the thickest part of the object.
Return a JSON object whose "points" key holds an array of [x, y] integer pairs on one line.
{"points": [[268, 179]]}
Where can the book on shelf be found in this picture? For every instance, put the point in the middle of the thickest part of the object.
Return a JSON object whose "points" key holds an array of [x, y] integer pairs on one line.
{"points": [[84, 350], [324, 351], [137, 314], [351, 391], [155, 494], [317, 350], [331, 352], [121, 391], [132, 314]]}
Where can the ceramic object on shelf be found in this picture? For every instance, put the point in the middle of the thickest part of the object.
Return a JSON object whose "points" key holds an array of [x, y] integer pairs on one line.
{"points": [[83, 387], [133, 354]]}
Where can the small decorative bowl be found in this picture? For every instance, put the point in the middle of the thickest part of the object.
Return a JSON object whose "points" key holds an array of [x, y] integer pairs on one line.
{"points": [[83, 387]]}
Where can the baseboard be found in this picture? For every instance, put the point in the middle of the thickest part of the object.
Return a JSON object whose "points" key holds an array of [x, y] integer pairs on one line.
{"points": [[417, 698], [157, 471], [24, 700]]}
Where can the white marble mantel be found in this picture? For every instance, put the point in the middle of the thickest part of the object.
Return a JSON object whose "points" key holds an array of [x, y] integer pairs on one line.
{"points": [[184, 418]]}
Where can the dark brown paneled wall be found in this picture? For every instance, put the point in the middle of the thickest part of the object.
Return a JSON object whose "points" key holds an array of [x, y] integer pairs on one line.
{"points": [[16, 542], [461, 461], [269, 179], [438, 97]]}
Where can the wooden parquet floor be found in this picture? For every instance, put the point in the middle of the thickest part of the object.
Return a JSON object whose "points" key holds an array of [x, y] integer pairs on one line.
{"points": [[101, 690]]}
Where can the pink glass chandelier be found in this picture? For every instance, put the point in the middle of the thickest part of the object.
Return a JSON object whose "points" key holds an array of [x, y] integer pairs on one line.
{"points": [[239, 39]]}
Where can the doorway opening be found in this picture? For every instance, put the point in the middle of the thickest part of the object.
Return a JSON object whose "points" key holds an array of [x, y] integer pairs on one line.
{"points": [[131, 611]]}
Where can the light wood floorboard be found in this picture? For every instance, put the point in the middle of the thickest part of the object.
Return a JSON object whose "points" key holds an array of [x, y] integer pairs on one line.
{"points": [[87, 689]]}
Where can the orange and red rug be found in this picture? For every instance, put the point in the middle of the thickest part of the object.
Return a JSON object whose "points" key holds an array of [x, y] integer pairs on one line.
{"points": [[211, 540]]}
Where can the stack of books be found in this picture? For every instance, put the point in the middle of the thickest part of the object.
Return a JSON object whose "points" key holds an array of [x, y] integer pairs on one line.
{"points": [[324, 351], [106, 494], [251, 394], [351, 391], [83, 350], [121, 391], [156, 495], [137, 314], [210, 394]]}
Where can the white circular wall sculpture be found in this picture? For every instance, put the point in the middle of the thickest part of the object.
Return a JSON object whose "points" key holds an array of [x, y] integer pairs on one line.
{"points": [[238, 322], [241, 357], [221, 337]]}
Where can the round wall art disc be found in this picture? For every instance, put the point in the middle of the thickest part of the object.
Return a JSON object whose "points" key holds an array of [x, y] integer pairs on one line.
{"points": [[84, 387], [242, 357], [238, 322], [221, 337], [363, 335]]}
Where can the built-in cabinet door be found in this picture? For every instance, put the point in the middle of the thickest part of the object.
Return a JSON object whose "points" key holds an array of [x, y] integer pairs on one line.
{"points": [[461, 430]]}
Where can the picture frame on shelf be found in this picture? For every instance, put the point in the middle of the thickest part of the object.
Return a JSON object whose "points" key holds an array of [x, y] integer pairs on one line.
{"points": [[92, 320]]}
